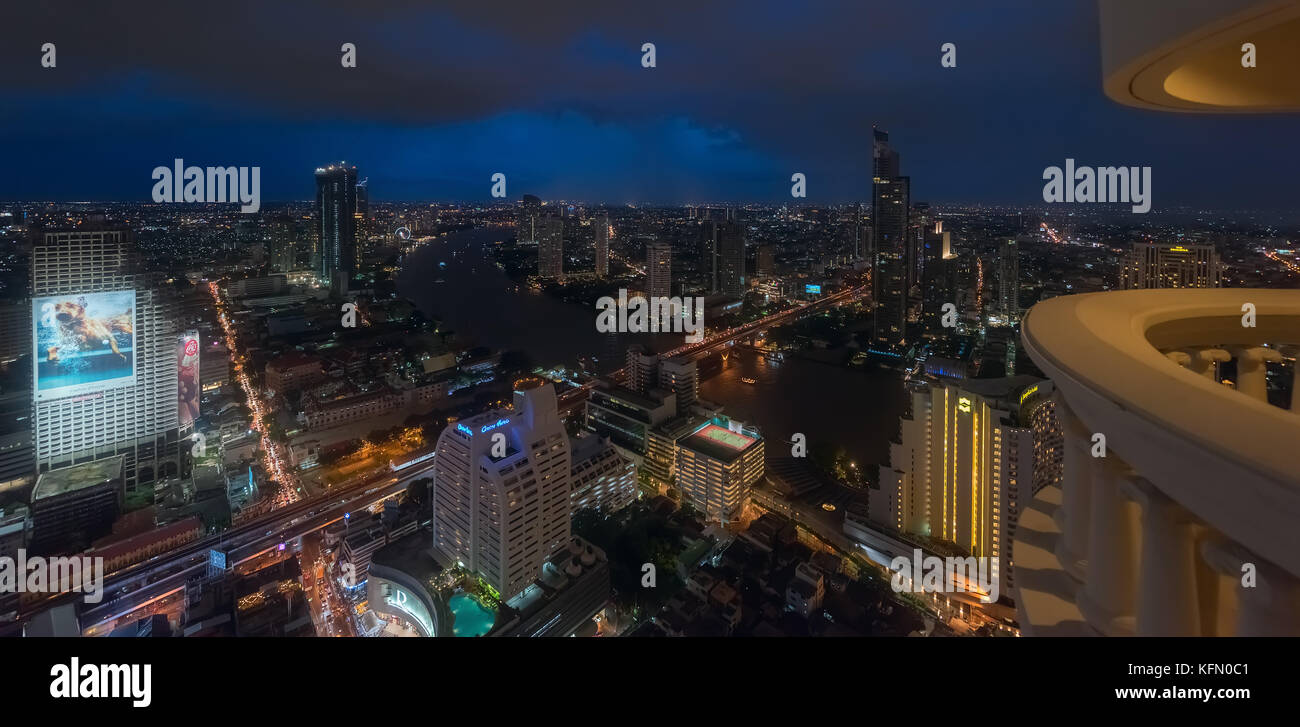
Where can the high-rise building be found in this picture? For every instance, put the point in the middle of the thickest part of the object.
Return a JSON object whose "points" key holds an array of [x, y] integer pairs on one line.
{"points": [[961, 469], [890, 200], [939, 284], [709, 255], [336, 224], [530, 211], [105, 375], [731, 259], [680, 376], [1170, 265], [601, 477], [550, 246], [1009, 280], [501, 494], [659, 270], [717, 466], [626, 417], [765, 262], [362, 216], [284, 244], [920, 222], [642, 368], [601, 235]]}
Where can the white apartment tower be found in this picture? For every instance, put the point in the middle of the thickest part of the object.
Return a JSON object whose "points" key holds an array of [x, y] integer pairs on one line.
{"points": [[501, 491], [87, 421]]}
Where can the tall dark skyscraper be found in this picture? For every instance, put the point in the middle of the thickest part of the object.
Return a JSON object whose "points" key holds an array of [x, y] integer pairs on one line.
{"points": [[731, 258], [362, 216], [600, 227], [336, 222], [1009, 280], [889, 220], [939, 279], [550, 246], [709, 254], [659, 269], [526, 224]]}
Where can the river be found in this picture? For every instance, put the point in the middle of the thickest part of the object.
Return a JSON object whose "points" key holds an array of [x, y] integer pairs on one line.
{"points": [[854, 408]]}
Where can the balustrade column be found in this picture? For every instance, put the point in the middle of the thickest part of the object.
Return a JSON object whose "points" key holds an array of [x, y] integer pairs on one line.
{"points": [[1252, 370], [1077, 467], [1204, 359], [1109, 597], [1168, 602]]}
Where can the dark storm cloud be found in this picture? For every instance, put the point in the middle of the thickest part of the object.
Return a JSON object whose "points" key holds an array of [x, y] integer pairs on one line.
{"points": [[744, 94]]}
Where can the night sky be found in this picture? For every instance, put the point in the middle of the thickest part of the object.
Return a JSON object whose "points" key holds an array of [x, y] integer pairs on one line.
{"points": [[553, 95]]}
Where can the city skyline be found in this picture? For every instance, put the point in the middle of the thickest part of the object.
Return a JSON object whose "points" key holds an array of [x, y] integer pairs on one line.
{"points": [[876, 320]]}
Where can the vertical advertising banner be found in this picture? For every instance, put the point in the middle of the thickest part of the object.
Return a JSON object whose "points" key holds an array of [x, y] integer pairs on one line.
{"points": [[84, 343], [187, 369]]}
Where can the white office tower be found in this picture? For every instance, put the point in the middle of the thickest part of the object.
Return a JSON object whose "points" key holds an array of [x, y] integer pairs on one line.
{"points": [[501, 491], [105, 368], [960, 468]]}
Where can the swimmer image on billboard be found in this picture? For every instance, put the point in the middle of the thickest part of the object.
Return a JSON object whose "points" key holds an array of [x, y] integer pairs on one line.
{"points": [[85, 342]]}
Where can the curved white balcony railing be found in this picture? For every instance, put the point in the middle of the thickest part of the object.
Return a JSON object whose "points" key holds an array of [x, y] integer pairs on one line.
{"points": [[1186, 55], [1200, 486]]}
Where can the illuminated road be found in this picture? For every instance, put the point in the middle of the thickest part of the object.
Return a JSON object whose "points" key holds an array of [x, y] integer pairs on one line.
{"points": [[1290, 265], [273, 457], [169, 574], [267, 531]]}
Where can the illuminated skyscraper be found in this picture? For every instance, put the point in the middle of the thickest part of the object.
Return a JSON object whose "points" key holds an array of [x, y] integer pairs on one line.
{"points": [[362, 224], [336, 223], [501, 494], [1170, 265], [1009, 280], [890, 199], [601, 235], [939, 283], [659, 270], [91, 401], [962, 465], [550, 246]]}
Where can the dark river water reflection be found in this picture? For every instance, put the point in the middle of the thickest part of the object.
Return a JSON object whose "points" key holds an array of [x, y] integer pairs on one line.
{"points": [[854, 408]]}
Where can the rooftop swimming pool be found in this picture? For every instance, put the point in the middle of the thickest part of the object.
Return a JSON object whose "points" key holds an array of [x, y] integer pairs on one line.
{"points": [[471, 618]]}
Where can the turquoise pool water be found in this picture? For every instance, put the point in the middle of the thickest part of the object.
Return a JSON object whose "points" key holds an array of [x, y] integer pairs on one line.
{"points": [[472, 619]]}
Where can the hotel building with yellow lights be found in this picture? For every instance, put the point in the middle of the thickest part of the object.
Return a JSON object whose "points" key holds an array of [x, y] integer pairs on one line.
{"points": [[963, 464], [1170, 265]]}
